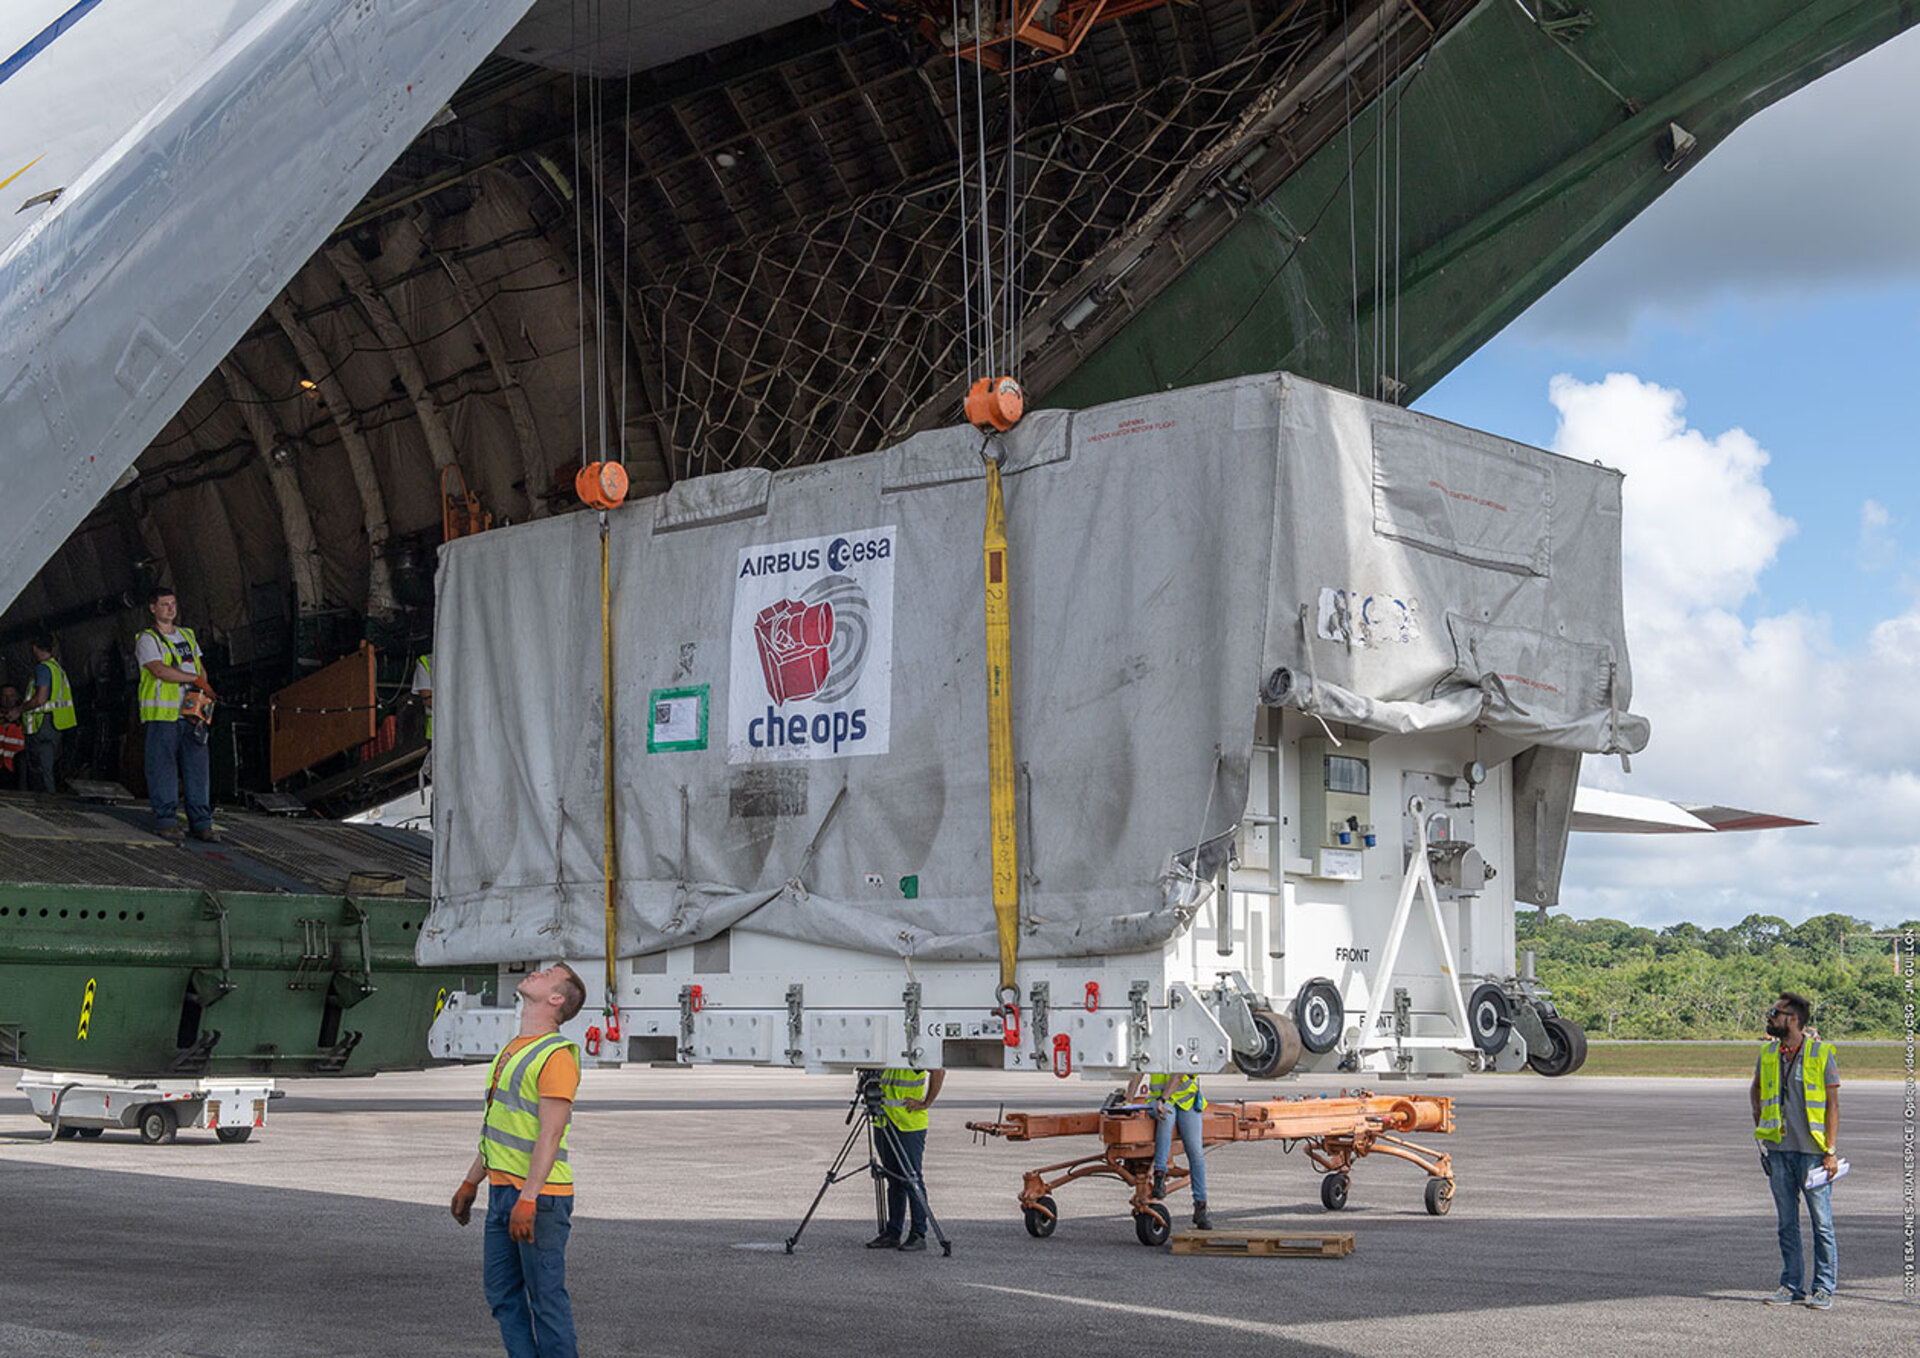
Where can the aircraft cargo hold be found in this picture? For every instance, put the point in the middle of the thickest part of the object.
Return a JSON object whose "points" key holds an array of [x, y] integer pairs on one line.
{"points": [[1299, 686]]}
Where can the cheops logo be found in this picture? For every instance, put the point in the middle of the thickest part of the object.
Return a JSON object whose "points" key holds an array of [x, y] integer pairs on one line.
{"points": [[821, 648]]}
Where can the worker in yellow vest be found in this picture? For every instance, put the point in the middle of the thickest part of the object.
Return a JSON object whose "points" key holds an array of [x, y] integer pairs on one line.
{"points": [[905, 1096], [525, 1160], [1176, 1103], [171, 662], [1796, 1119], [423, 687], [13, 737], [48, 712]]}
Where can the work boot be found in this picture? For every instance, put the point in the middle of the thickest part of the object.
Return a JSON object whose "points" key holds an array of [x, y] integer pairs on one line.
{"points": [[1159, 1184], [884, 1241], [1201, 1221], [172, 833], [206, 836], [913, 1244]]}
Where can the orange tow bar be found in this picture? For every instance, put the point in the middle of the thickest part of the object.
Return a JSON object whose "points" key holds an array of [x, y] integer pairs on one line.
{"points": [[1336, 1131]]}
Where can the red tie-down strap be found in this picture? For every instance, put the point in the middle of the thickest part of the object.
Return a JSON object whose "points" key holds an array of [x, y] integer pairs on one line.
{"points": [[1062, 1055]]}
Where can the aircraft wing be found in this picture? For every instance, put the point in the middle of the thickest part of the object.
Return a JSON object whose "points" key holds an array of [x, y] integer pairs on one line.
{"points": [[1597, 811], [124, 292]]}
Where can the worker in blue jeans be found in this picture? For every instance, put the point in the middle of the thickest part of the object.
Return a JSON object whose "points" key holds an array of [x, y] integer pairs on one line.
{"points": [[1796, 1119], [901, 1139], [1177, 1104]]}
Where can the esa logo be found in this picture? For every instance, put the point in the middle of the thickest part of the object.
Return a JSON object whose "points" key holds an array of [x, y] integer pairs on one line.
{"points": [[842, 554]]}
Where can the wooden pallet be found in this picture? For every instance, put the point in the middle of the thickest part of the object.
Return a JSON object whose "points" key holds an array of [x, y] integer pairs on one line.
{"points": [[1264, 1244]]}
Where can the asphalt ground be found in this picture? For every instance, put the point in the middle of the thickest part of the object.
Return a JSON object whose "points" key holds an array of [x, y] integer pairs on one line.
{"points": [[1593, 1216]]}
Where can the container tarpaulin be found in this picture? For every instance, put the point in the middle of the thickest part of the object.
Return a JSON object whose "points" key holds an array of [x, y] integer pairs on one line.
{"points": [[799, 669]]}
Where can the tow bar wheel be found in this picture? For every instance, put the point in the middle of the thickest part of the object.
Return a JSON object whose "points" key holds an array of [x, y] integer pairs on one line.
{"points": [[1279, 1048], [1042, 1217], [1153, 1224], [1439, 1196], [1333, 1191]]}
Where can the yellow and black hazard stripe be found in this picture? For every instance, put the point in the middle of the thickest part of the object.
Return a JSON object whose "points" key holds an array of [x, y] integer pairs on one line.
{"points": [[86, 1009]]}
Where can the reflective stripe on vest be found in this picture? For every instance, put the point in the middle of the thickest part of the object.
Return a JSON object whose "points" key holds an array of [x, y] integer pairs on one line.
{"points": [[426, 672], [896, 1087], [13, 740], [1186, 1094], [1813, 1084], [59, 701], [160, 700], [513, 1111]]}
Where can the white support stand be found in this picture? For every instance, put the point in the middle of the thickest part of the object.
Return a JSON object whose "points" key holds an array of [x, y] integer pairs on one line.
{"points": [[1418, 881]]}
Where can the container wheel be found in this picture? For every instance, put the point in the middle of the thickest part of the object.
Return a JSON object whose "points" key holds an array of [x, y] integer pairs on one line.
{"points": [[1569, 1048], [1279, 1048], [158, 1125], [89, 1133], [1439, 1196], [67, 1134], [1153, 1224], [1319, 1015], [1490, 1016], [233, 1136], [1041, 1218], [1333, 1191]]}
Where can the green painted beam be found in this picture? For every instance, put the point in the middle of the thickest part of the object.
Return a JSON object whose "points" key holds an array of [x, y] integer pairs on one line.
{"points": [[1472, 187], [154, 972]]}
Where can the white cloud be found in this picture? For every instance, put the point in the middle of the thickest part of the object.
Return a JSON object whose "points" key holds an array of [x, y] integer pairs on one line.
{"points": [[1763, 712], [1815, 192], [1878, 551]]}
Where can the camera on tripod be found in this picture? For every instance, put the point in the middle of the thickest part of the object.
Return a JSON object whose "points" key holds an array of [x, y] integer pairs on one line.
{"points": [[869, 1095]]}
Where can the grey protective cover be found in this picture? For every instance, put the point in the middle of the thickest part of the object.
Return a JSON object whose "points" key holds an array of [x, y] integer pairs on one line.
{"points": [[1174, 561]]}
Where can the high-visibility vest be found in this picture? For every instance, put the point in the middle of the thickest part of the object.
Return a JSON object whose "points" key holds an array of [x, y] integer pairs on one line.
{"points": [[426, 670], [1186, 1094], [896, 1087], [59, 701], [160, 700], [1813, 1080], [13, 740], [513, 1110]]}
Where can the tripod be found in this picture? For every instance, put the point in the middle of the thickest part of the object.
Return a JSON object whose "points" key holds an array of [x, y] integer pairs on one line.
{"points": [[869, 1107]]}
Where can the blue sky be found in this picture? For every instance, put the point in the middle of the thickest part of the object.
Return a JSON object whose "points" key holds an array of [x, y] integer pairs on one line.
{"points": [[1748, 351]]}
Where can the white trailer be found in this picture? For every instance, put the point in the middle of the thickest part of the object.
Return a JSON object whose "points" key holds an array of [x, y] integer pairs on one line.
{"points": [[86, 1106], [1300, 688]]}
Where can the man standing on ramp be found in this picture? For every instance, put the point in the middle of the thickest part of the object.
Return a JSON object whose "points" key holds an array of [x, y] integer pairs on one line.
{"points": [[523, 1156]]}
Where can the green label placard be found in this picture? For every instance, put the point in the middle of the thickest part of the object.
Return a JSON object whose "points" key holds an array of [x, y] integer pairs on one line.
{"points": [[677, 719]]}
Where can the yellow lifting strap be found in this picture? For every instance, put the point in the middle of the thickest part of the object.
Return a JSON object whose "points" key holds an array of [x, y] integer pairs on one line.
{"points": [[610, 855], [1006, 848]]}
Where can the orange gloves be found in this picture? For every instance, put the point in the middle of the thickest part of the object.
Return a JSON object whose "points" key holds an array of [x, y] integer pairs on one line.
{"points": [[520, 1228], [463, 1197]]}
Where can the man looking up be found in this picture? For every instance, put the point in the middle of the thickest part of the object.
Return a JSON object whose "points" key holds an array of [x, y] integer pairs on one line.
{"points": [[524, 1157]]}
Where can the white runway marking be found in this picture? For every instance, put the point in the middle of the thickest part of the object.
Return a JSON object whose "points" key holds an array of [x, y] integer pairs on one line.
{"points": [[1157, 1312]]}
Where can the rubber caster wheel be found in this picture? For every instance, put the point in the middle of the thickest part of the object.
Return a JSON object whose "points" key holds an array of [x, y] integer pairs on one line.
{"points": [[1153, 1224], [158, 1124], [1041, 1218], [1439, 1196], [67, 1134], [1333, 1191], [233, 1136], [1279, 1048], [1568, 1051], [89, 1133]]}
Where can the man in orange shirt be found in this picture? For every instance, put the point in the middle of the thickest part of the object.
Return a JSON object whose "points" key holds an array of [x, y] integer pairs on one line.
{"points": [[524, 1158]]}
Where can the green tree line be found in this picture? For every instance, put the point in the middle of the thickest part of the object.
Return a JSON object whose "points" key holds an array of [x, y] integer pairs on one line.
{"points": [[1626, 981]]}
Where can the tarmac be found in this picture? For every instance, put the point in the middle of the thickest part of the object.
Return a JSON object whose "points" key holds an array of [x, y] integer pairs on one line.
{"points": [[1593, 1216]]}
